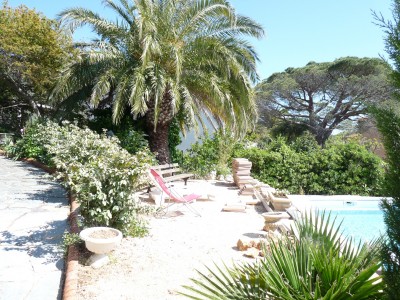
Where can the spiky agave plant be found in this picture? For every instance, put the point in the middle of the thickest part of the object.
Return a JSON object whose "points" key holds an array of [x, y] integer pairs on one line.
{"points": [[318, 263]]}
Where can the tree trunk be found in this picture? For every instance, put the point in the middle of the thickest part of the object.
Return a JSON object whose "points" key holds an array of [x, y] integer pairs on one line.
{"points": [[322, 135], [158, 142], [158, 132]]}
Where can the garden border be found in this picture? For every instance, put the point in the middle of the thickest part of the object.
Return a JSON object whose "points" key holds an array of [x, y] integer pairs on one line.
{"points": [[72, 266]]}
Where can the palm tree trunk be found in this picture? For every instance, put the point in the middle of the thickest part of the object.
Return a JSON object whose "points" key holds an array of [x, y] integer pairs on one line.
{"points": [[158, 142], [158, 133]]}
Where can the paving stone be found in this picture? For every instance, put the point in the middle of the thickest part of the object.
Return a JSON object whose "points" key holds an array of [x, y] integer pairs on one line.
{"points": [[33, 219], [16, 289]]}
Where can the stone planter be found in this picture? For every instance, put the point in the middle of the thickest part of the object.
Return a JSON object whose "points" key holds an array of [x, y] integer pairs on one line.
{"points": [[271, 218], [100, 241], [280, 203]]}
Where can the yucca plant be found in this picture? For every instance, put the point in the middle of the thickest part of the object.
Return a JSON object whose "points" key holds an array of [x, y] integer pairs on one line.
{"points": [[316, 263]]}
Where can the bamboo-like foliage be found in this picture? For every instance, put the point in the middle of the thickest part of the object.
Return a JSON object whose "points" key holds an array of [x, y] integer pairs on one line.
{"points": [[194, 51], [316, 264]]}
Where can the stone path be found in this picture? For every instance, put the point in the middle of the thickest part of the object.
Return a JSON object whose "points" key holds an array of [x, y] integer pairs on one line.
{"points": [[33, 219]]}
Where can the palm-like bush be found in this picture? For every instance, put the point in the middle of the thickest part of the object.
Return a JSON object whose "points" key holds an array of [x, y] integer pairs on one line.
{"points": [[316, 264], [164, 57]]}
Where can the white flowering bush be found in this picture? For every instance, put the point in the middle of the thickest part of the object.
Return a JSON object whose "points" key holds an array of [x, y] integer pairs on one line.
{"points": [[103, 175]]}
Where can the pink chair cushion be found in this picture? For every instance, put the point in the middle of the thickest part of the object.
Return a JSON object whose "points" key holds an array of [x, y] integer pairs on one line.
{"points": [[174, 196]]}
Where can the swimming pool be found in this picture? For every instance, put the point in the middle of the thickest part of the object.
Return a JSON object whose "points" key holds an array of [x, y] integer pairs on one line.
{"points": [[362, 216]]}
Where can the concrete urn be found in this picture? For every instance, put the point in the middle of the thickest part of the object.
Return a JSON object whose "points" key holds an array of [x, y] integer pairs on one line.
{"points": [[280, 203], [273, 217], [101, 240]]}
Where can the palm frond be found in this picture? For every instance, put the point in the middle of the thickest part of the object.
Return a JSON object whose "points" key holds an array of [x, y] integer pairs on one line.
{"points": [[126, 11], [74, 18], [121, 99], [196, 17], [100, 89], [139, 96]]}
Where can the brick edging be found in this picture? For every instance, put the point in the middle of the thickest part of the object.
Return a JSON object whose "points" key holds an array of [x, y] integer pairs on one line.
{"points": [[72, 265], [71, 274], [40, 165]]}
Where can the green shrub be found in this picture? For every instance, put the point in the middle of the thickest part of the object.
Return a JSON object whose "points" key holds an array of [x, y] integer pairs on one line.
{"points": [[202, 157], [299, 166], [70, 239], [132, 141], [349, 168], [103, 176], [31, 145], [304, 167], [210, 154], [282, 168], [387, 116], [174, 139], [130, 134]]}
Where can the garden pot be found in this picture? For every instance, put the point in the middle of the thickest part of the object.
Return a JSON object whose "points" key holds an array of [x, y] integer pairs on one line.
{"points": [[100, 240], [280, 203], [273, 217]]}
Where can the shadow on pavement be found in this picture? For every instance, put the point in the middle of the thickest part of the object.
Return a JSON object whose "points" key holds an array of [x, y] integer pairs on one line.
{"points": [[44, 242]]}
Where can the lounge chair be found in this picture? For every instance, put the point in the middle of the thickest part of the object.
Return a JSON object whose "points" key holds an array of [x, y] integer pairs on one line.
{"points": [[174, 196]]}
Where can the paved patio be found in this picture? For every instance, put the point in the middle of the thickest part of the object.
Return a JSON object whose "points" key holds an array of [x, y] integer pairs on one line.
{"points": [[33, 219]]}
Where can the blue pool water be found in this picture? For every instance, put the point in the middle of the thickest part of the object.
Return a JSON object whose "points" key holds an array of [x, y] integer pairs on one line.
{"points": [[361, 217], [361, 224]]}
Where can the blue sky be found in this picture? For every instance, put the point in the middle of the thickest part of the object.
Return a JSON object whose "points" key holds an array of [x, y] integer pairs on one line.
{"points": [[296, 31]]}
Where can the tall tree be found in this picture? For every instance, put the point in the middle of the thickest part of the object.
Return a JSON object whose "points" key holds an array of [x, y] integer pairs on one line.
{"points": [[388, 122], [164, 57], [323, 95], [32, 52]]}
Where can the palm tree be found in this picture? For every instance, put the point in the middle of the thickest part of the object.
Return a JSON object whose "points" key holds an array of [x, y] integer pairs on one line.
{"points": [[163, 57], [316, 264]]}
